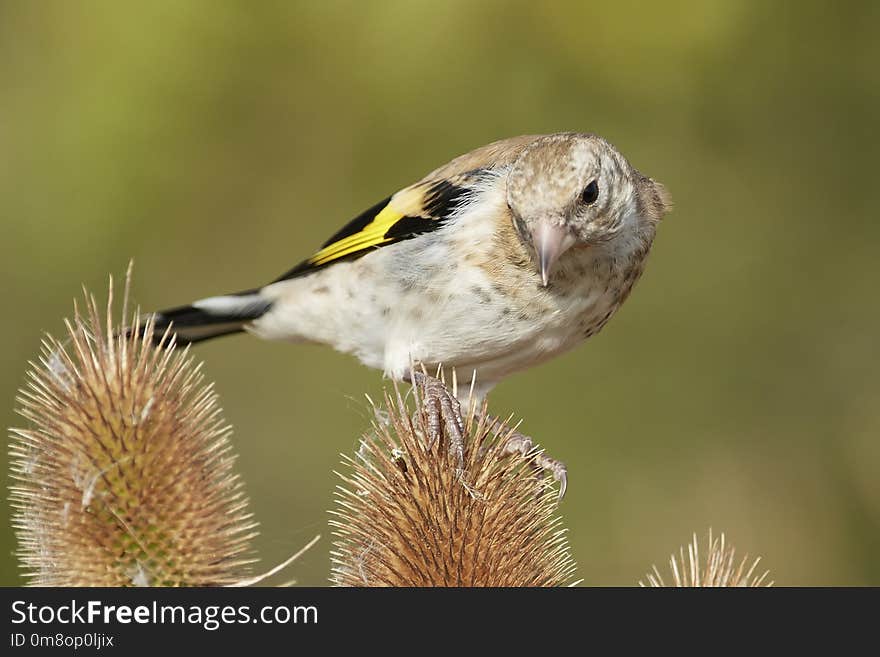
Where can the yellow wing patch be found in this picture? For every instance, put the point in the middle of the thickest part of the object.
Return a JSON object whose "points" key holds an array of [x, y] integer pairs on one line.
{"points": [[373, 234], [412, 211], [406, 202]]}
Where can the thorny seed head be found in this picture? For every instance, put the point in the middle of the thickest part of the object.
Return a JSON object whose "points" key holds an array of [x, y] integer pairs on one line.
{"points": [[124, 475], [406, 515], [720, 569]]}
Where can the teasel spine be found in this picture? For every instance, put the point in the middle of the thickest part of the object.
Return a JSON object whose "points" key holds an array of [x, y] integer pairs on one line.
{"points": [[124, 475], [719, 568], [405, 515]]}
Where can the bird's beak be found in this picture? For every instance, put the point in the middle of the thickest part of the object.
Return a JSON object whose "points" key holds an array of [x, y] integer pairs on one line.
{"points": [[550, 241]]}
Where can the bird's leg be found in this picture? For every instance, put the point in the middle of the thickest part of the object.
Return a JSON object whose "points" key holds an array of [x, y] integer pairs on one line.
{"points": [[443, 411], [518, 443]]}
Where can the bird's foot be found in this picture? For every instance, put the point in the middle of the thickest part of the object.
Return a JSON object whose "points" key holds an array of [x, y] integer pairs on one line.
{"points": [[444, 419], [443, 413], [518, 443]]}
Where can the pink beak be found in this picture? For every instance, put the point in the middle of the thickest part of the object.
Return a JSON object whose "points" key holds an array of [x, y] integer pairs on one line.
{"points": [[550, 241]]}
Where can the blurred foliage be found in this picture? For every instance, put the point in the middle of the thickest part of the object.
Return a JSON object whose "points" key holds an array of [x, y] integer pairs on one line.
{"points": [[218, 143]]}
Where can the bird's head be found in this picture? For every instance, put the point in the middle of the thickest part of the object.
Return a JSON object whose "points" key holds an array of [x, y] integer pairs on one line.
{"points": [[576, 190]]}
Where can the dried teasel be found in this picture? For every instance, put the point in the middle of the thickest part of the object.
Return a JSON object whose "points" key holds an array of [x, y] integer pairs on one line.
{"points": [[407, 515], [720, 568], [125, 473]]}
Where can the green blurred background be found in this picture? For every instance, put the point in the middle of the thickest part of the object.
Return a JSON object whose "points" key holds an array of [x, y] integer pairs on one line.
{"points": [[218, 143]]}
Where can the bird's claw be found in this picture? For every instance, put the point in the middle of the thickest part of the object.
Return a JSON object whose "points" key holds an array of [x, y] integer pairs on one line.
{"points": [[523, 445], [443, 418], [443, 413]]}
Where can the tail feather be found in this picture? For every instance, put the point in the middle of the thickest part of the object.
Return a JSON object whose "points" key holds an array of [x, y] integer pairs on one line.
{"points": [[211, 317]]}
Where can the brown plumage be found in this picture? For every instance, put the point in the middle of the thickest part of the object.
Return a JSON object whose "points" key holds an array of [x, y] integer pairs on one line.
{"points": [[494, 262]]}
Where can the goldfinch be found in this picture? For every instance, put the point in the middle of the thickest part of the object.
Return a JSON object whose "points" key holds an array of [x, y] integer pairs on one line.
{"points": [[497, 261]]}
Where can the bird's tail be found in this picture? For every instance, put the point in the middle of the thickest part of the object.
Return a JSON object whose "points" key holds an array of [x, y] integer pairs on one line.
{"points": [[211, 317]]}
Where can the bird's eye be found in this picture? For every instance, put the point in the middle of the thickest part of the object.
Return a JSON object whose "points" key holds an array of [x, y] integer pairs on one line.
{"points": [[590, 193]]}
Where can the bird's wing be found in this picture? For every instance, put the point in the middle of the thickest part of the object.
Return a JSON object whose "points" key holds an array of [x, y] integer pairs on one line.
{"points": [[414, 210], [496, 154]]}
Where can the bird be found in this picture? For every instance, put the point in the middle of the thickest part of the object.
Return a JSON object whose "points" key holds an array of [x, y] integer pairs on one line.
{"points": [[495, 262]]}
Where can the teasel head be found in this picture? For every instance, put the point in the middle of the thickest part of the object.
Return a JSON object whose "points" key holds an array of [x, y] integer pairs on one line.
{"points": [[719, 567], [408, 513], [124, 474]]}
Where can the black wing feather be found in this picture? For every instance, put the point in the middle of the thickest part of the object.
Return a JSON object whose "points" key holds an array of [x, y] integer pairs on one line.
{"points": [[440, 200]]}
